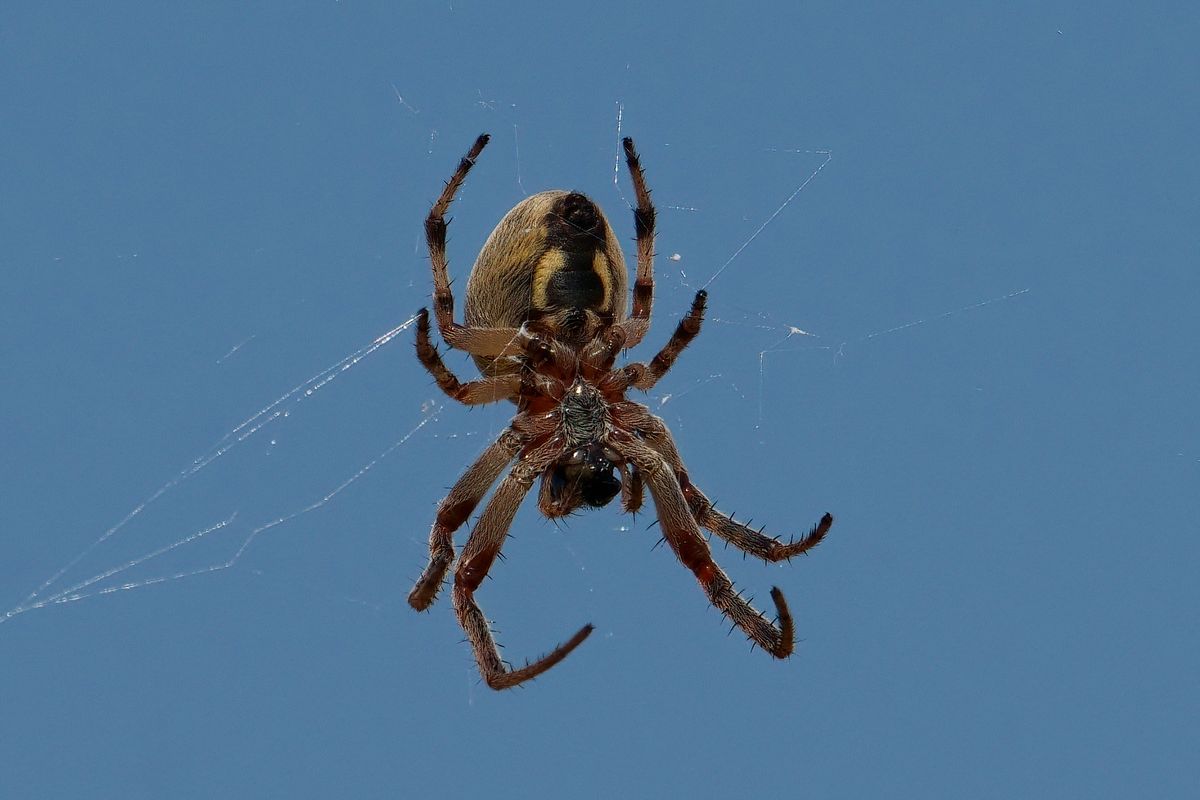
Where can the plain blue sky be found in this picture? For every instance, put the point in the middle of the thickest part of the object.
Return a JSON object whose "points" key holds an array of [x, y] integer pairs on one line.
{"points": [[205, 207]]}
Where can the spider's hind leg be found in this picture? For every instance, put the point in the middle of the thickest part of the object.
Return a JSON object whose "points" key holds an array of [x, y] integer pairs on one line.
{"points": [[435, 238], [476, 341], [477, 392], [643, 220]]}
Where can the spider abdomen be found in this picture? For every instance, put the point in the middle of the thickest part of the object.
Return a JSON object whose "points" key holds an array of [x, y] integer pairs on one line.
{"points": [[553, 259]]}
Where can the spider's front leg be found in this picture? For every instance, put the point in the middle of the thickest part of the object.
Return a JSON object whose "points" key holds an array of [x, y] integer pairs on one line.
{"points": [[480, 552], [453, 512], [745, 538], [755, 542], [682, 534]]}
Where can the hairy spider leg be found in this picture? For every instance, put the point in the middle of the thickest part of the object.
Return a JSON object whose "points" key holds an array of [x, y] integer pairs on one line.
{"points": [[655, 433], [643, 219], [454, 510], [682, 534], [480, 553], [645, 376], [471, 393], [476, 341]]}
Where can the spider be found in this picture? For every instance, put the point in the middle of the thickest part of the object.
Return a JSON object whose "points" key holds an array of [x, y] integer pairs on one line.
{"points": [[546, 320]]}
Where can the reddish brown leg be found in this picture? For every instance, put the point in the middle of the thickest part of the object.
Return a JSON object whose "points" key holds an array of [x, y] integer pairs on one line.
{"points": [[453, 512], [487, 390], [681, 533], [755, 542], [643, 220], [435, 235], [480, 552], [477, 341], [602, 351], [644, 376], [745, 538]]}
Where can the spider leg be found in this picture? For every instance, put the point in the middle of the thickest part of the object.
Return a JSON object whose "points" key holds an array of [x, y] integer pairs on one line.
{"points": [[478, 554], [768, 548], [643, 220], [682, 534], [477, 341], [598, 357], [745, 538], [435, 236], [453, 512], [487, 390], [644, 376]]}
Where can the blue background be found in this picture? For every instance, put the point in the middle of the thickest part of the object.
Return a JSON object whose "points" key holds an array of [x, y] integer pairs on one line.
{"points": [[204, 207]]}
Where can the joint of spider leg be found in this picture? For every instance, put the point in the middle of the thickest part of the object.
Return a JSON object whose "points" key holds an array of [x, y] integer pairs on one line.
{"points": [[537, 348], [435, 229], [444, 302]]}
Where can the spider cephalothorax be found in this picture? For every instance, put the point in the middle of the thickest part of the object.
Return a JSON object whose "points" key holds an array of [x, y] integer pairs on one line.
{"points": [[545, 322], [585, 475]]}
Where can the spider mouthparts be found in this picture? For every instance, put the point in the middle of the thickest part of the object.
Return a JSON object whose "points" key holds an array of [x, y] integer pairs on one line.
{"points": [[585, 477], [600, 489]]}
